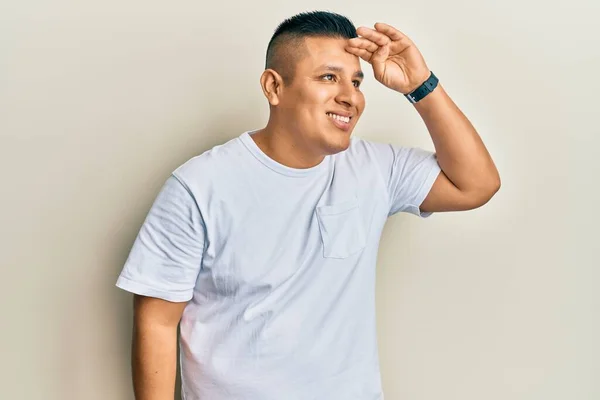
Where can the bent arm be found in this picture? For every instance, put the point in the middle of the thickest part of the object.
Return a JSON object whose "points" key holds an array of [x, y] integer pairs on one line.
{"points": [[469, 177], [154, 347]]}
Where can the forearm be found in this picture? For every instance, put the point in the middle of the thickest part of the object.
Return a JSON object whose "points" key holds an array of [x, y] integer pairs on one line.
{"points": [[460, 151], [154, 361]]}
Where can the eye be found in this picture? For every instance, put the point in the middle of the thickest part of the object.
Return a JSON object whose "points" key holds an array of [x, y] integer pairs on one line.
{"points": [[356, 83], [328, 76]]}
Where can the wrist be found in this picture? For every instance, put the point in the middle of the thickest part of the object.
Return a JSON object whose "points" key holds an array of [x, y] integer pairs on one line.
{"points": [[423, 90], [422, 78], [436, 100]]}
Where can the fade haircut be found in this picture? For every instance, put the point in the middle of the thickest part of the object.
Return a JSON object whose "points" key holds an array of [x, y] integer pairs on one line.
{"points": [[286, 45]]}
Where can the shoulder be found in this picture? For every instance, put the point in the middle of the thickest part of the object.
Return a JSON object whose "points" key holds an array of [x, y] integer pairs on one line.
{"points": [[209, 164]]}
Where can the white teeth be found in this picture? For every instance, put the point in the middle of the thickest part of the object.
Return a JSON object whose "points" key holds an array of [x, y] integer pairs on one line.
{"points": [[339, 117]]}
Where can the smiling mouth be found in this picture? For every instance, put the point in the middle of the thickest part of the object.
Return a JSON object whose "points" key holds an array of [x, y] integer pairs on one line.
{"points": [[342, 119], [341, 122]]}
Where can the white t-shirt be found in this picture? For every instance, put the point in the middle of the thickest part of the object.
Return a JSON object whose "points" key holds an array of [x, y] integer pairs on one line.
{"points": [[278, 266]]}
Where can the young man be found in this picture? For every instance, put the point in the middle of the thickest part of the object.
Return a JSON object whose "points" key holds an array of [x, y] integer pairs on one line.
{"points": [[264, 248]]}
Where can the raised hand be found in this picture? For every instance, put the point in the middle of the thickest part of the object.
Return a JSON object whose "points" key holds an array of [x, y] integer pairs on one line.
{"points": [[396, 61]]}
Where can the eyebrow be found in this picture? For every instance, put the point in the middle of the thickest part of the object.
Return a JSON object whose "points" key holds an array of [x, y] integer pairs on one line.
{"points": [[357, 74]]}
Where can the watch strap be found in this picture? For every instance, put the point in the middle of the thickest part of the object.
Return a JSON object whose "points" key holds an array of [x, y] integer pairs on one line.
{"points": [[423, 90]]}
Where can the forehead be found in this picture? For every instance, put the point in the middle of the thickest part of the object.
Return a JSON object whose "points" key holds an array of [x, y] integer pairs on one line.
{"points": [[324, 50]]}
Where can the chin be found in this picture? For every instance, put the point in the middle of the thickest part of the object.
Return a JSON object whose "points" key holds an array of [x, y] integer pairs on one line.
{"points": [[336, 146]]}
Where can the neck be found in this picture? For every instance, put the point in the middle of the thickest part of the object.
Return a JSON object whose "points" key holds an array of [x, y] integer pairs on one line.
{"points": [[285, 147]]}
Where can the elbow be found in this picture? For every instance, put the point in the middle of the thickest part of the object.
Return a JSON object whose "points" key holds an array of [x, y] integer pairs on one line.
{"points": [[495, 184], [498, 186], [482, 193], [489, 190]]}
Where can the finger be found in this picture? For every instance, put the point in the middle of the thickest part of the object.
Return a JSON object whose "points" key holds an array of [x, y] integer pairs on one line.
{"points": [[380, 56], [362, 53], [378, 61], [378, 38], [390, 31], [363, 43]]}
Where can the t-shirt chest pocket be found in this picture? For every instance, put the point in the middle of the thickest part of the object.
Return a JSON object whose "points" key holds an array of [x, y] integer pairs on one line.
{"points": [[342, 229]]}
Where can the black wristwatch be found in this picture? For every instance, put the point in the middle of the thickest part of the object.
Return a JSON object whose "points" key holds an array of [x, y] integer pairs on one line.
{"points": [[423, 90]]}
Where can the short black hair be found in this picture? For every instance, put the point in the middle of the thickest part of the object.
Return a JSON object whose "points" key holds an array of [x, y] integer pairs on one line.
{"points": [[289, 37]]}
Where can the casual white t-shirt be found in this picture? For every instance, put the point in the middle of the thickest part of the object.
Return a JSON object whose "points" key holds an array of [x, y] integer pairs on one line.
{"points": [[278, 266]]}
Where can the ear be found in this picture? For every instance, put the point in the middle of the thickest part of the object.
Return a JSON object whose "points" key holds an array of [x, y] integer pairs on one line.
{"points": [[272, 85]]}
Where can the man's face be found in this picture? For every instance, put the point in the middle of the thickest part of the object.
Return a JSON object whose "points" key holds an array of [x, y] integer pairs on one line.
{"points": [[323, 102]]}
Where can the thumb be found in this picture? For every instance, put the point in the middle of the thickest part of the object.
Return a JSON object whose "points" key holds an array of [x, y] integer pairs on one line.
{"points": [[378, 60]]}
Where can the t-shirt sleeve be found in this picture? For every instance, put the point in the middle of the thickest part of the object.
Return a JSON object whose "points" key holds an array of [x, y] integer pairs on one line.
{"points": [[409, 174], [166, 256]]}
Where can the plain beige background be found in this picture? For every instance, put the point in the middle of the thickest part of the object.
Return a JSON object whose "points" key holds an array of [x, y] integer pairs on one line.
{"points": [[101, 100]]}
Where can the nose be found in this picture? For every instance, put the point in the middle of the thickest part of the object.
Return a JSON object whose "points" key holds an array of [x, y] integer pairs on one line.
{"points": [[347, 94]]}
